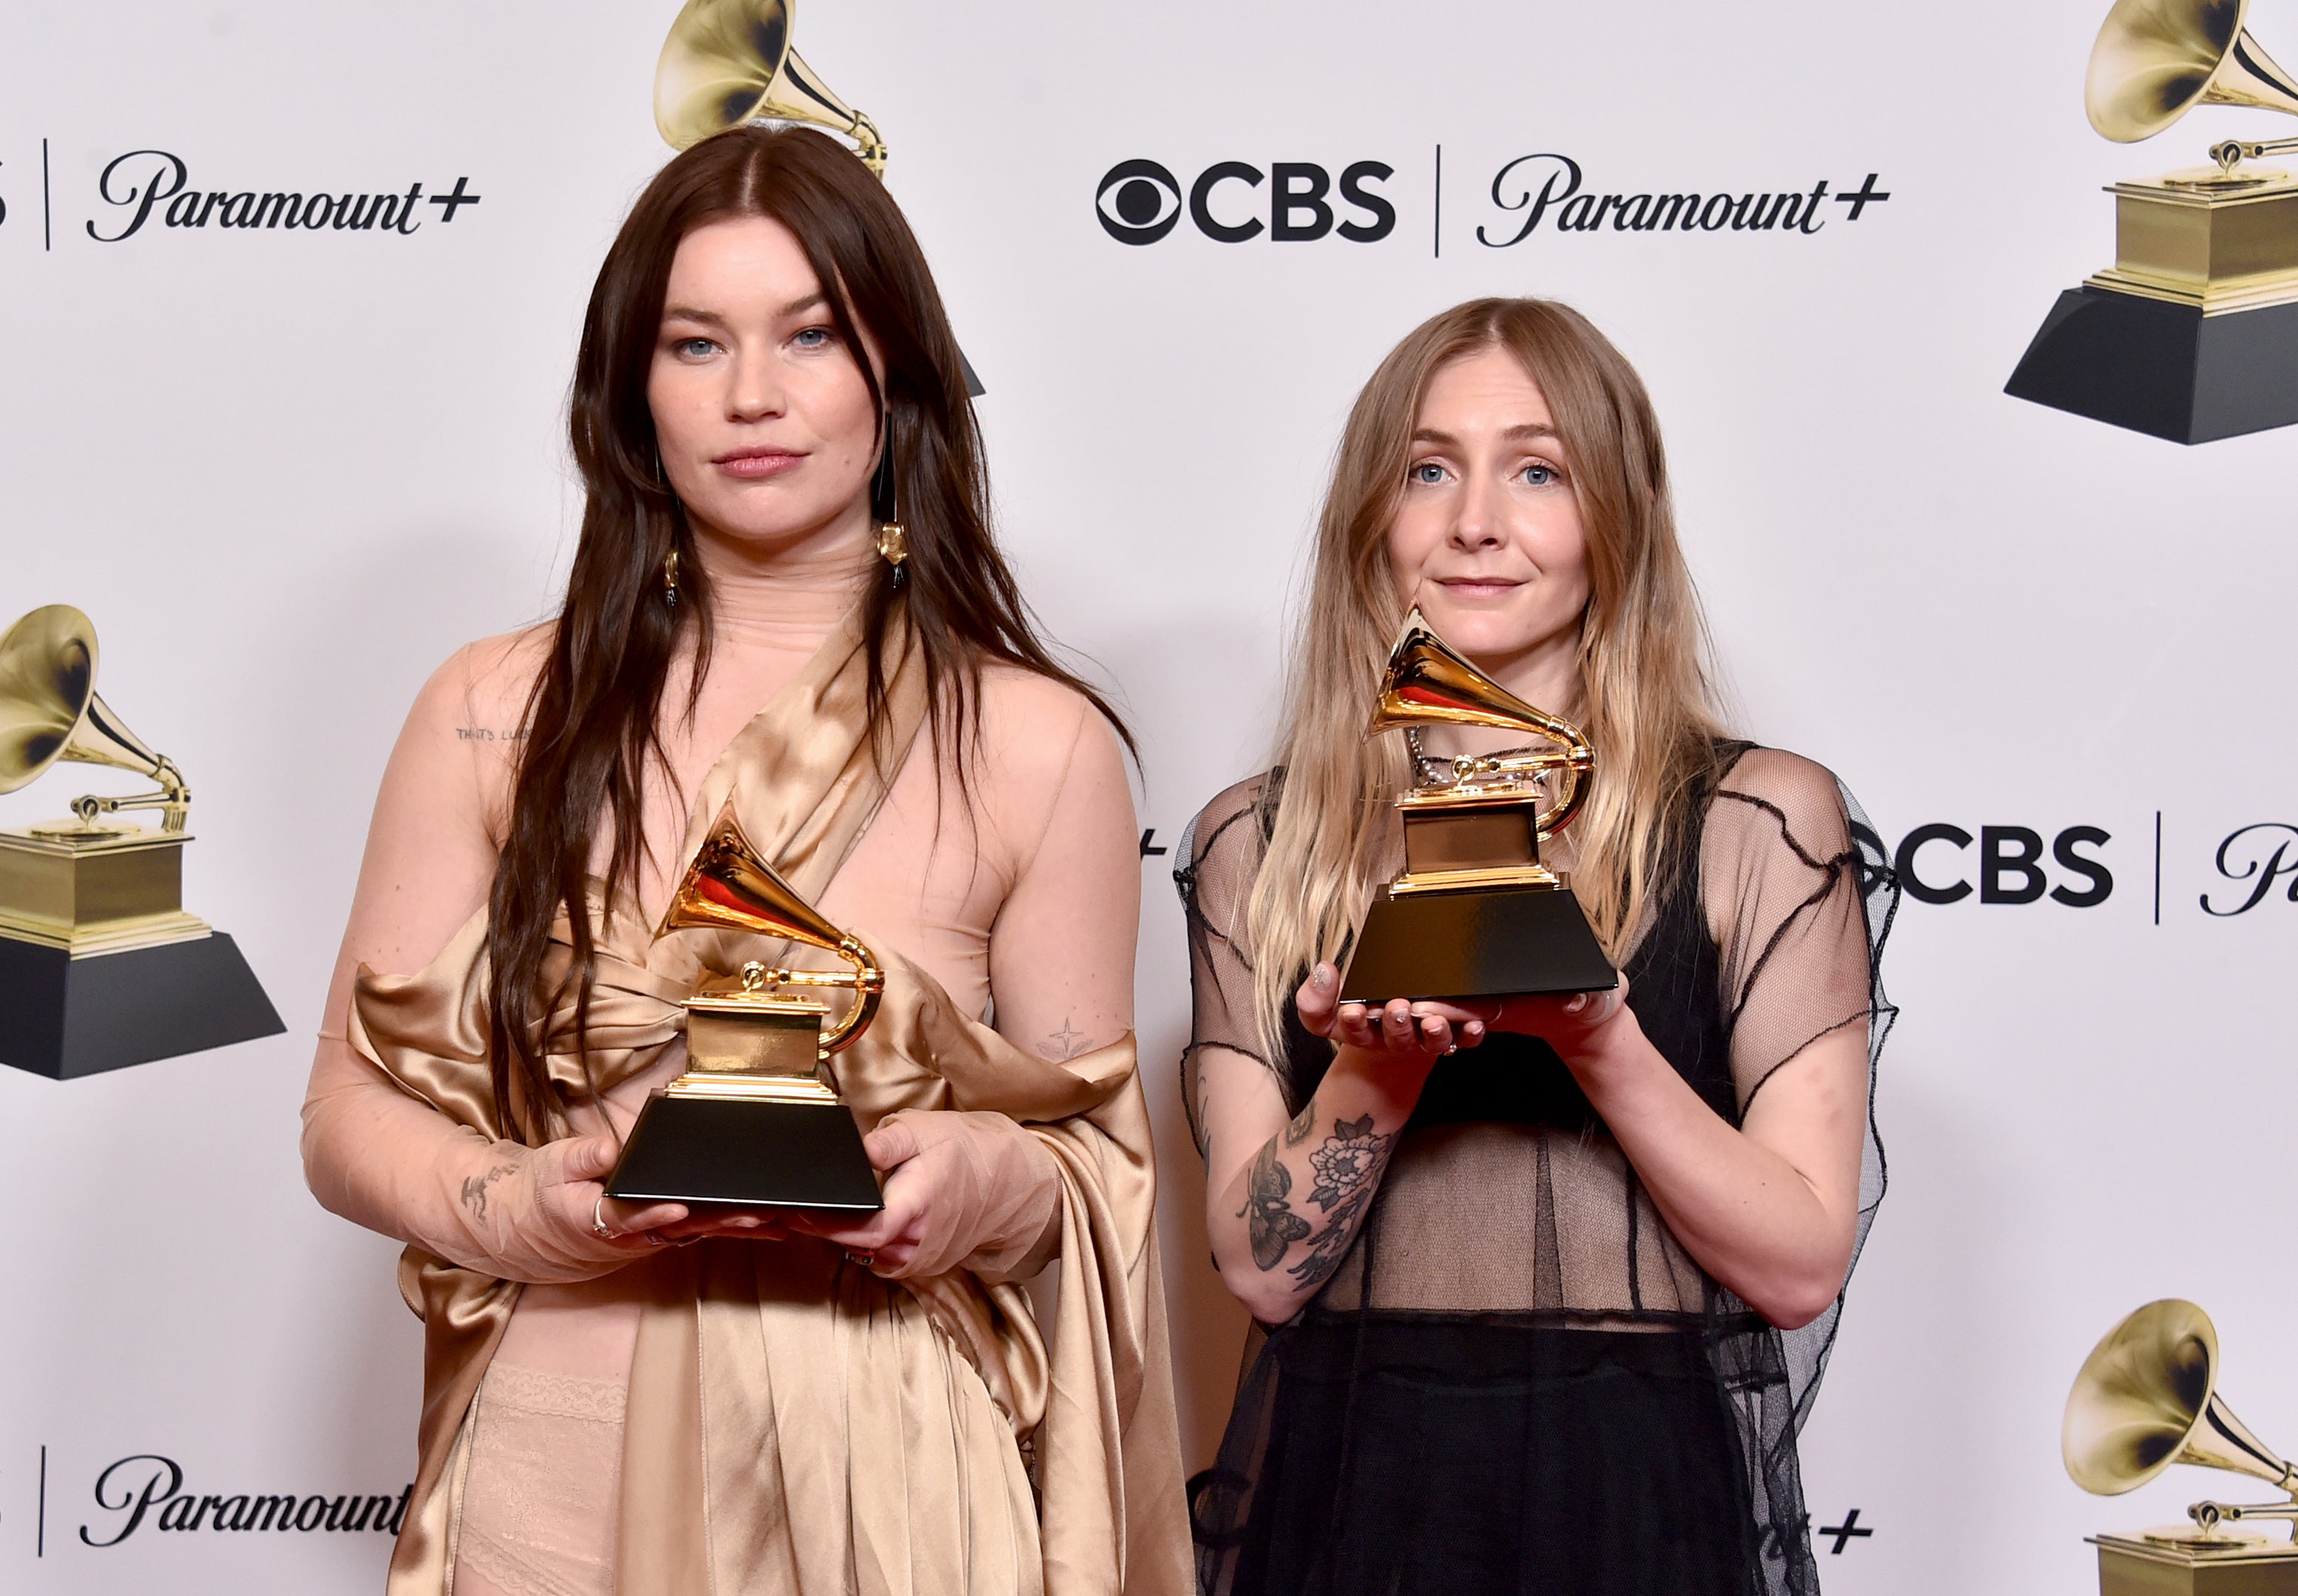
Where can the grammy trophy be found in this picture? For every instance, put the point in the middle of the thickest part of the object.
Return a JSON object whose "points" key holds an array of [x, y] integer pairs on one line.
{"points": [[2146, 1398], [99, 966], [1476, 914], [2192, 335], [753, 1121]]}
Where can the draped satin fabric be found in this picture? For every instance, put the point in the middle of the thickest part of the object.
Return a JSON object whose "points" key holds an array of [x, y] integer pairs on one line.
{"points": [[795, 1423]]}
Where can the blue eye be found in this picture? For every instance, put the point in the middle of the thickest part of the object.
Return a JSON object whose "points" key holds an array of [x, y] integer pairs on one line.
{"points": [[1428, 473], [814, 337], [692, 348], [1539, 476]]}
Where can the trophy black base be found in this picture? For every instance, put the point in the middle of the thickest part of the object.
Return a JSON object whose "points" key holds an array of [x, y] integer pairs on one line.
{"points": [[2166, 370], [63, 1017], [1523, 941], [728, 1151]]}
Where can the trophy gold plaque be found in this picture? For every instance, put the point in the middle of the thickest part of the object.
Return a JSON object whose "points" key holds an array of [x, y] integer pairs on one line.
{"points": [[2192, 335], [752, 1122], [2146, 1398], [1476, 914], [730, 63], [99, 966]]}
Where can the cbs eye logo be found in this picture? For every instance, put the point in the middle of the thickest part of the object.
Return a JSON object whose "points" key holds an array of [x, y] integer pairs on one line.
{"points": [[1140, 201]]}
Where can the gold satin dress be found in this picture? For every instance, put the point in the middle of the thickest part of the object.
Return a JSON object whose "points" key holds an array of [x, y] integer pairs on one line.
{"points": [[740, 1416]]}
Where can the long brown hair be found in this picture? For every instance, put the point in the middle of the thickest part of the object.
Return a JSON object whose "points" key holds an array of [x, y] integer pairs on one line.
{"points": [[1647, 704], [594, 719]]}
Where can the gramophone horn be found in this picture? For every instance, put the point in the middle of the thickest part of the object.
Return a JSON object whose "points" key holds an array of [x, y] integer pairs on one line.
{"points": [[2147, 1398], [50, 714], [2156, 59], [730, 887], [728, 63], [1427, 684]]}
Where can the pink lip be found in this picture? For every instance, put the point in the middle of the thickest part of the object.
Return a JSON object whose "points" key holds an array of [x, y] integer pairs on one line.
{"points": [[1481, 587], [758, 460]]}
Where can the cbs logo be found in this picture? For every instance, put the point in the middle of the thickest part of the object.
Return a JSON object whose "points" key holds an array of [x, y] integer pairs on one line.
{"points": [[1934, 864], [1140, 201]]}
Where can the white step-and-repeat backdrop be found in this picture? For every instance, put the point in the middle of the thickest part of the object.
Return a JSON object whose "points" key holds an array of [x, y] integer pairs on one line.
{"points": [[287, 470]]}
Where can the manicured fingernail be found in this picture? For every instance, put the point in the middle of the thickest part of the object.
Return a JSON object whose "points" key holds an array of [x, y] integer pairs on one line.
{"points": [[1323, 978], [1579, 1001]]}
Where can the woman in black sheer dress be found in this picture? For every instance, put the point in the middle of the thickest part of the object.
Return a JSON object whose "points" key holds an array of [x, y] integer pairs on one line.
{"points": [[1543, 1289]]}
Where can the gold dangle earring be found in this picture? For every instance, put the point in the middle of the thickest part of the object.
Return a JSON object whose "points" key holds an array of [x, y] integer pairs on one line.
{"points": [[670, 577], [893, 542]]}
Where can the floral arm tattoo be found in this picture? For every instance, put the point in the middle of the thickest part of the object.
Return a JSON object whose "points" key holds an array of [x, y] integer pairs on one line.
{"points": [[1345, 1169]]}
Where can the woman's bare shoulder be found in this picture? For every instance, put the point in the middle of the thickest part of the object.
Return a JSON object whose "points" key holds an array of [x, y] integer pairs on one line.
{"points": [[472, 712], [482, 689], [1035, 729]]}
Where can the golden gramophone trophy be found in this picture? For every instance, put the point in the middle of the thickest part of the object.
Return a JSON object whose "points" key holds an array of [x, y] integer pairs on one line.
{"points": [[2146, 1398], [2192, 333], [752, 1122], [99, 966], [1476, 914], [730, 63]]}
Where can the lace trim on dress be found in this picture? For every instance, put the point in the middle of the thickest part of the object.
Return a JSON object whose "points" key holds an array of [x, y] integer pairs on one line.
{"points": [[538, 1513], [557, 1396]]}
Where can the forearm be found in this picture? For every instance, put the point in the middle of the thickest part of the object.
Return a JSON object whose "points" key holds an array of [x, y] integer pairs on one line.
{"points": [[1751, 1219], [380, 1159], [1282, 1219]]}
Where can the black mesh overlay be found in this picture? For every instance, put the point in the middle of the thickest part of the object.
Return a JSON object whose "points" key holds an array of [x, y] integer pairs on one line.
{"points": [[1518, 1381]]}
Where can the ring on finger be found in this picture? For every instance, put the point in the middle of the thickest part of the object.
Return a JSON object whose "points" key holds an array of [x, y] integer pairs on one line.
{"points": [[598, 1220]]}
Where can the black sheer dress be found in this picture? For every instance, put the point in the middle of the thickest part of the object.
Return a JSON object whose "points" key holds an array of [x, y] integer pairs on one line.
{"points": [[1518, 1382]]}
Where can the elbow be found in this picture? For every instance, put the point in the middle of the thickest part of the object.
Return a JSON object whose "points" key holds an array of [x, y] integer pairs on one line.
{"points": [[1795, 1297], [323, 1165], [1792, 1311], [1268, 1296]]}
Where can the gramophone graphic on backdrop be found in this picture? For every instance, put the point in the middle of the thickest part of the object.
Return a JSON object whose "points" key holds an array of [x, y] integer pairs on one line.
{"points": [[2192, 335], [99, 966], [2148, 1397], [730, 63]]}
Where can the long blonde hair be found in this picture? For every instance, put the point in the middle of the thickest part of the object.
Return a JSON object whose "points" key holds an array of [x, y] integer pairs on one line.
{"points": [[1647, 704]]}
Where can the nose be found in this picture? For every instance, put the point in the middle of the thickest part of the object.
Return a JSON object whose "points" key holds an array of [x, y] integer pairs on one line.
{"points": [[1480, 519], [754, 388]]}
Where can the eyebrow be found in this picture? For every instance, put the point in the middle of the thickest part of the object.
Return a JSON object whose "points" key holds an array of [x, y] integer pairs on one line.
{"points": [[1523, 431], [712, 318]]}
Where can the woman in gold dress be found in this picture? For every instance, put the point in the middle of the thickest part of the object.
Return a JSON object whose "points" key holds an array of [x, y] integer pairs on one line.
{"points": [[785, 595]]}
